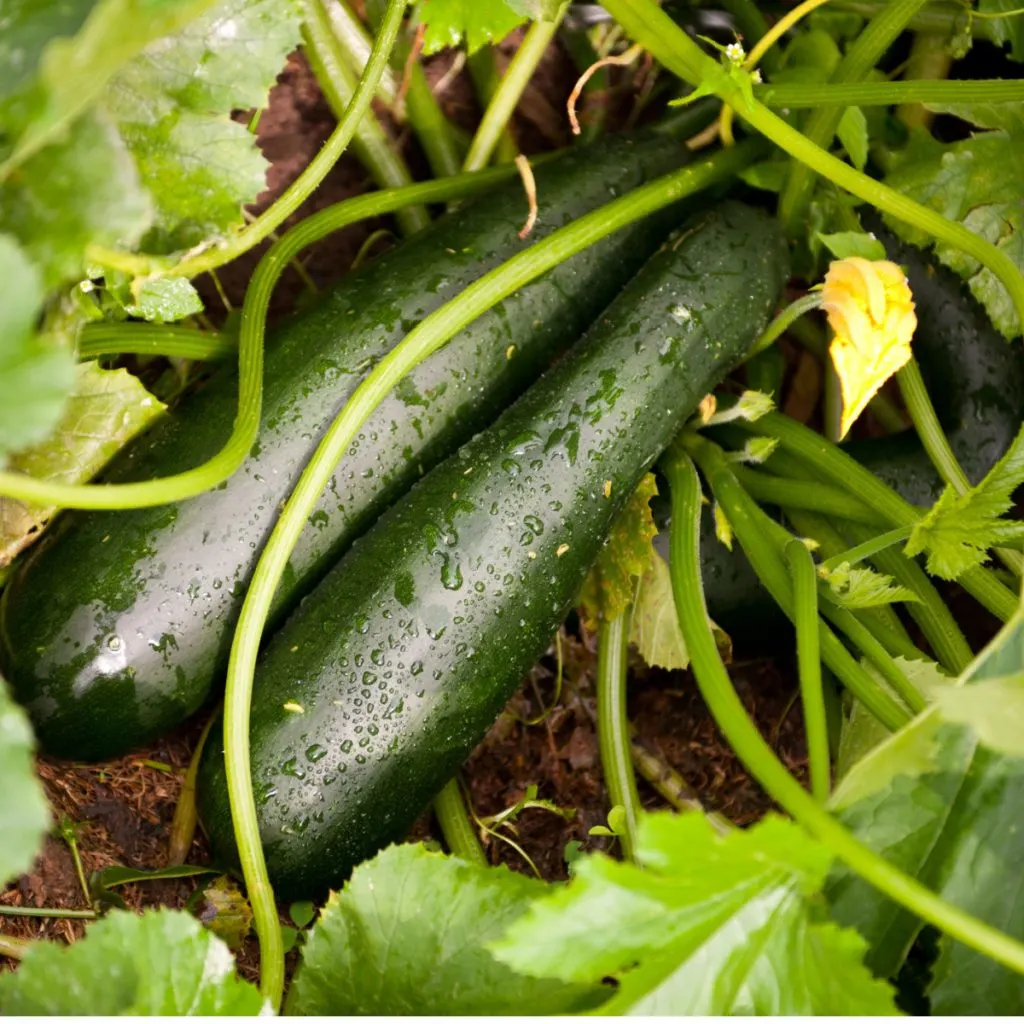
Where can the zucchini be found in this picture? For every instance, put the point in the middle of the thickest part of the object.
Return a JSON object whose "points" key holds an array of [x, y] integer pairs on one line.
{"points": [[376, 690], [116, 626]]}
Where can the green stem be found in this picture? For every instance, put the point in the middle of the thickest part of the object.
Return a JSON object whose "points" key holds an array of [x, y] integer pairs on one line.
{"points": [[250, 357], [59, 912], [930, 61], [186, 818], [453, 817], [766, 559], [423, 112], [759, 758], [939, 17], [805, 494], [820, 128], [808, 652], [785, 320], [483, 70], [425, 338], [929, 611], [356, 44], [875, 544], [936, 444], [831, 462], [883, 94], [339, 83], [129, 338], [613, 725], [14, 949], [510, 89], [929, 430]]}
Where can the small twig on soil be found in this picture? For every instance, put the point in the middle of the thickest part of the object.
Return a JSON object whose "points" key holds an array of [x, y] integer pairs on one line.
{"points": [[668, 783], [14, 949], [621, 60], [85, 915]]}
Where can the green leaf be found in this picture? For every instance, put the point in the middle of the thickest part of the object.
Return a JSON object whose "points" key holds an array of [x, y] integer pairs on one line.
{"points": [[993, 710], [173, 107], [406, 936], [705, 924], [654, 630], [478, 22], [105, 410], [56, 56], [35, 377], [162, 963], [853, 134], [83, 190], [222, 907], [862, 587], [769, 175], [853, 243], [626, 556], [103, 883], [957, 828], [24, 813], [985, 115], [958, 530], [1008, 31], [165, 300], [976, 182]]}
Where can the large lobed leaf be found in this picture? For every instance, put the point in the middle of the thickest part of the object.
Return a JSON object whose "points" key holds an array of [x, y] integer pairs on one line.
{"points": [[953, 821], [162, 963], [407, 935], [704, 925]]}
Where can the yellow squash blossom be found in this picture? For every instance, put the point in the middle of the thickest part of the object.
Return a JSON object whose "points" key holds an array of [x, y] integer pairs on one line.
{"points": [[871, 311]]}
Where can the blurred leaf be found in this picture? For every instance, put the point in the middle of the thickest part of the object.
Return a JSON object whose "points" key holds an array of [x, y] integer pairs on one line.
{"points": [[655, 628], [24, 812], [57, 55], [106, 409], [35, 377], [705, 924], [159, 963], [1008, 31], [165, 300], [853, 134], [478, 22], [82, 190], [627, 554], [102, 883], [406, 936], [853, 243], [861, 587], [223, 909], [985, 115]]}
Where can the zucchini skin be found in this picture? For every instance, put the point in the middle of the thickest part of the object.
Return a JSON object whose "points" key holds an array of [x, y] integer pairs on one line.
{"points": [[406, 653], [119, 623]]}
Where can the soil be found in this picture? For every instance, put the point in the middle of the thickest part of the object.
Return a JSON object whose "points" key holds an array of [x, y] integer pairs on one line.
{"points": [[122, 810]]}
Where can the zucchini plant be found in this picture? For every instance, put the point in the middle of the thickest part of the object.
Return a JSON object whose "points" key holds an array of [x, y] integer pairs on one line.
{"points": [[360, 527]]}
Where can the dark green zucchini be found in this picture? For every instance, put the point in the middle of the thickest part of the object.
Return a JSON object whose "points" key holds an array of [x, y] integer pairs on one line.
{"points": [[976, 381], [115, 628], [378, 687]]}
